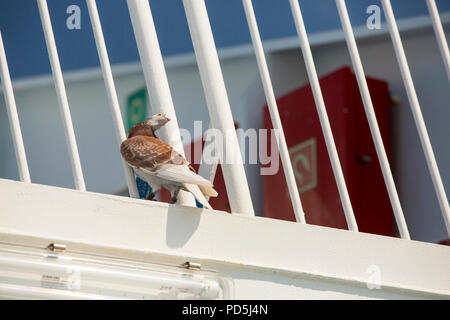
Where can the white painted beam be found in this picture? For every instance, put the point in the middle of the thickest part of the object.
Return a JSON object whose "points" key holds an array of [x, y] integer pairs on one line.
{"points": [[271, 250]]}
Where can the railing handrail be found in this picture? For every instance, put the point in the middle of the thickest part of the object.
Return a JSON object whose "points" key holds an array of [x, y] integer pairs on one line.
{"points": [[219, 107]]}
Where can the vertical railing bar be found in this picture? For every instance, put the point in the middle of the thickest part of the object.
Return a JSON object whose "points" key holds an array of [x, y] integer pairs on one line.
{"points": [[373, 124], [208, 169], [13, 117], [273, 108], [440, 35], [156, 78], [417, 113], [218, 104], [62, 96], [321, 110], [111, 91]]}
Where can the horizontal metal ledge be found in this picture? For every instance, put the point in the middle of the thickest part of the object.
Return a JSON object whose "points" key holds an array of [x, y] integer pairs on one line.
{"points": [[273, 45], [137, 229]]}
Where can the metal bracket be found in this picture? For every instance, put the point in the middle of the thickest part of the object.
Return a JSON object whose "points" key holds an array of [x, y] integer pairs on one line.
{"points": [[56, 247], [192, 265]]}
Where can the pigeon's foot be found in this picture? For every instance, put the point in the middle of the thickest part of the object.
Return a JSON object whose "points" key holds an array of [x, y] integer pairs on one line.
{"points": [[150, 196], [174, 195]]}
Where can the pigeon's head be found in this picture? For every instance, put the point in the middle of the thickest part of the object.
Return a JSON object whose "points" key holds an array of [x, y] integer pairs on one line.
{"points": [[157, 121], [149, 126]]}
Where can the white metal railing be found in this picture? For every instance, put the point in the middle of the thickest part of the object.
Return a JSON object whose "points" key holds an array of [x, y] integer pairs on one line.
{"points": [[155, 76], [417, 113], [217, 101], [111, 91], [273, 109], [219, 107], [62, 96], [370, 112], [440, 35], [323, 117], [19, 148]]}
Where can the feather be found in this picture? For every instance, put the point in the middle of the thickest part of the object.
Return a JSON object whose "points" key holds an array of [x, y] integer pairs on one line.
{"points": [[195, 190], [181, 174], [150, 153], [208, 191], [160, 164]]}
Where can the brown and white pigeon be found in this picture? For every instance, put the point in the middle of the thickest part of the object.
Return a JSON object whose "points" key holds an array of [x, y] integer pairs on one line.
{"points": [[160, 165]]}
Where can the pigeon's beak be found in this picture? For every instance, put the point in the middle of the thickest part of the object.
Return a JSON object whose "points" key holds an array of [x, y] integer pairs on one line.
{"points": [[164, 120], [158, 120]]}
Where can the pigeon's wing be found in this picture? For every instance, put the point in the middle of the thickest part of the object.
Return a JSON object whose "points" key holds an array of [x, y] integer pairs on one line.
{"points": [[181, 174], [149, 153], [155, 157]]}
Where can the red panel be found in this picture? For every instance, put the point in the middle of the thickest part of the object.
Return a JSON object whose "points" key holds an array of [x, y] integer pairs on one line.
{"points": [[314, 175]]}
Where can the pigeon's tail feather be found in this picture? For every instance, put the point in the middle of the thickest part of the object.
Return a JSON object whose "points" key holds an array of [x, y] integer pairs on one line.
{"points": [[181, 174], [208, 191], [195, 190]]}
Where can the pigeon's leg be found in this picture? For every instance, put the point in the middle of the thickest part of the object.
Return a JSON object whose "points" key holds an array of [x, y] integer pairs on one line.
{"points": [[174, 194], [155, 191]]}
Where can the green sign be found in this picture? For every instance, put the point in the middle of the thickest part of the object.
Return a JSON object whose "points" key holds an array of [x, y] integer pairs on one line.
{"points": [[136, 107], [137, 112]]}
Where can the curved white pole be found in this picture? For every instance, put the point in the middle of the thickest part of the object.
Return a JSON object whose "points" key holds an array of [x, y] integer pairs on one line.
{"points": [[111, 91], [156, 78], [14, 124], [417, 113], [373, 124], [218, 104], [62, 96], [274, 114], [321, 110]]}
